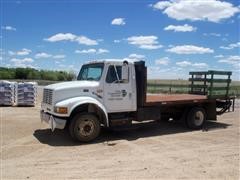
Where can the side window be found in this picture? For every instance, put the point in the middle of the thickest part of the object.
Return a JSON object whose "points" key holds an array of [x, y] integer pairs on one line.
{"points": [[112, 76], [85, 73]]}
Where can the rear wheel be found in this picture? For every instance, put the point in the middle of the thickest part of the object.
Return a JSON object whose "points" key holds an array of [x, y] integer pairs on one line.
{"points": [[196, 118], [84, 127]]}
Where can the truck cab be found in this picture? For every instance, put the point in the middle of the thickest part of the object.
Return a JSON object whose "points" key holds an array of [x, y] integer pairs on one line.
{"points": [[102, 88], [110, 93]]}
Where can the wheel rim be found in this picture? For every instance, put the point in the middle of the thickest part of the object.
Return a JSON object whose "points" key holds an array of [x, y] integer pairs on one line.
{"points": [[198, 118], [86, 127]]}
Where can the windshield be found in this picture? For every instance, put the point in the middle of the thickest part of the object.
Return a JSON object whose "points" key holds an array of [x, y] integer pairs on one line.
{"points": [[91, 72]]}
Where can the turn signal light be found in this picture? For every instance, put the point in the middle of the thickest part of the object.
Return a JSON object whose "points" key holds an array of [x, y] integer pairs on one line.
{"points": [[61, 110]]}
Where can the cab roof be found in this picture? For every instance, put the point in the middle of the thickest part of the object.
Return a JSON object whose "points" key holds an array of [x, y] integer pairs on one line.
{"points": [[112, 61]]}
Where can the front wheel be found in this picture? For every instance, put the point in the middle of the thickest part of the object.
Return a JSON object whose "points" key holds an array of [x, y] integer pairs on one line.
{"points": [[196, 117], [84, 127]]}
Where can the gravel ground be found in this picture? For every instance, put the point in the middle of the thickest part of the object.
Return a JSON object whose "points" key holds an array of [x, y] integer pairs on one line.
{"points": [[29, 150]]}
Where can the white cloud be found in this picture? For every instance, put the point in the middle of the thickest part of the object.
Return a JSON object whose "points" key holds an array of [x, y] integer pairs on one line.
{"points": [[22, 52], [162, 61], [86, 41], [144, 42], [62, 37], [180, 28], [42, 55], [235, 63], [219, 56], [188, 63], [162, 5], [150, 46], [9, 28], [156, 72], [102, 51], [65, 67], [136, 56], [200, 65], [58, 62], [117, 41], [197, 10], [231, 46], [86, 51], [183, 63], [118, 21], [71, 37], [92, 51], [140, 40], [212, 34], [59, 56], [189, 49], [25, 62], [234, 60]]}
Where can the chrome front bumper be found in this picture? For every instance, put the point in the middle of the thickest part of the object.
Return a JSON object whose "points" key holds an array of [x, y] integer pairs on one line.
{"points": [[54, 122]]}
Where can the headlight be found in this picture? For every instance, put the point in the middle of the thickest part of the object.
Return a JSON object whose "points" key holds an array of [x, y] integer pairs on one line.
{"points": [[61, 110]]}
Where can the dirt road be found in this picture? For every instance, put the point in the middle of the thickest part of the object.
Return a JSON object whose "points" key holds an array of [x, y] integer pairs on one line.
{"points": [[153, 150]]}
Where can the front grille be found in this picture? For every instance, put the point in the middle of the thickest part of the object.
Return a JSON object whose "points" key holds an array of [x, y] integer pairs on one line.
{"points": [[47, 96]]}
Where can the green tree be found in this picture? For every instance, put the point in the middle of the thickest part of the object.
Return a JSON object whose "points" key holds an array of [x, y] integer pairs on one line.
{"points": [[29, 73]]}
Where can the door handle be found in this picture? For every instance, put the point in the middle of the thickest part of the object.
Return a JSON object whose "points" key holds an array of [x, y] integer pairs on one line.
{"points": [[130, 95]]}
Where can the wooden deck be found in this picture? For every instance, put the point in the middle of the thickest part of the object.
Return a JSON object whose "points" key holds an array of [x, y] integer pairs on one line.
{"points": [[174, 98]]}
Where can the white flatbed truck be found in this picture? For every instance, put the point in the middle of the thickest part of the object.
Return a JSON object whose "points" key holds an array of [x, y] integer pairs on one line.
{"points": [[110, 93]]}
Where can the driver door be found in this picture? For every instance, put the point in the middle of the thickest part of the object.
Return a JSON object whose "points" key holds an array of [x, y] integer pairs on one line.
{"points": [[117, 92]]}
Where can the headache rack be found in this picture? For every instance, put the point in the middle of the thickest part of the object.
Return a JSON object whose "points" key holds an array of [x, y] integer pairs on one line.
{"points": [[214, 85]]}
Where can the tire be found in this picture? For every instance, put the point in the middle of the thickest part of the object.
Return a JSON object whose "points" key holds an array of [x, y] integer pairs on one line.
{"points": [[84, 127], [196, 118]]}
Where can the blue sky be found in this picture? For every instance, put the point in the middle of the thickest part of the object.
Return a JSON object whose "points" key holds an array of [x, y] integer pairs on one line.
{"points": [[173, 37]]}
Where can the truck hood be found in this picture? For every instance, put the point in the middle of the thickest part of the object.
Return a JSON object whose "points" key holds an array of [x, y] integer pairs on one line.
{"points": [[73, 85], [65, 90]]}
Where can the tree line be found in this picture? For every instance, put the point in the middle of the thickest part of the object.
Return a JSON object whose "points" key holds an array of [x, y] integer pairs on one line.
{"points": [[33, 74]]}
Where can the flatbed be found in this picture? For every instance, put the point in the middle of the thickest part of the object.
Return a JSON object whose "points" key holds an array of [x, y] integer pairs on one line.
{"points": [[173, 98]]}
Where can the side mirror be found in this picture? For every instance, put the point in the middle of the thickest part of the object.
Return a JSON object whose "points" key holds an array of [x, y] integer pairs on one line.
{"points": [[125, 73]]}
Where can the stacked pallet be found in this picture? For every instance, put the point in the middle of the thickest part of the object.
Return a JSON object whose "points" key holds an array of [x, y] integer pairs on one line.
{"points": [[6, 93], [26, 94]]}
